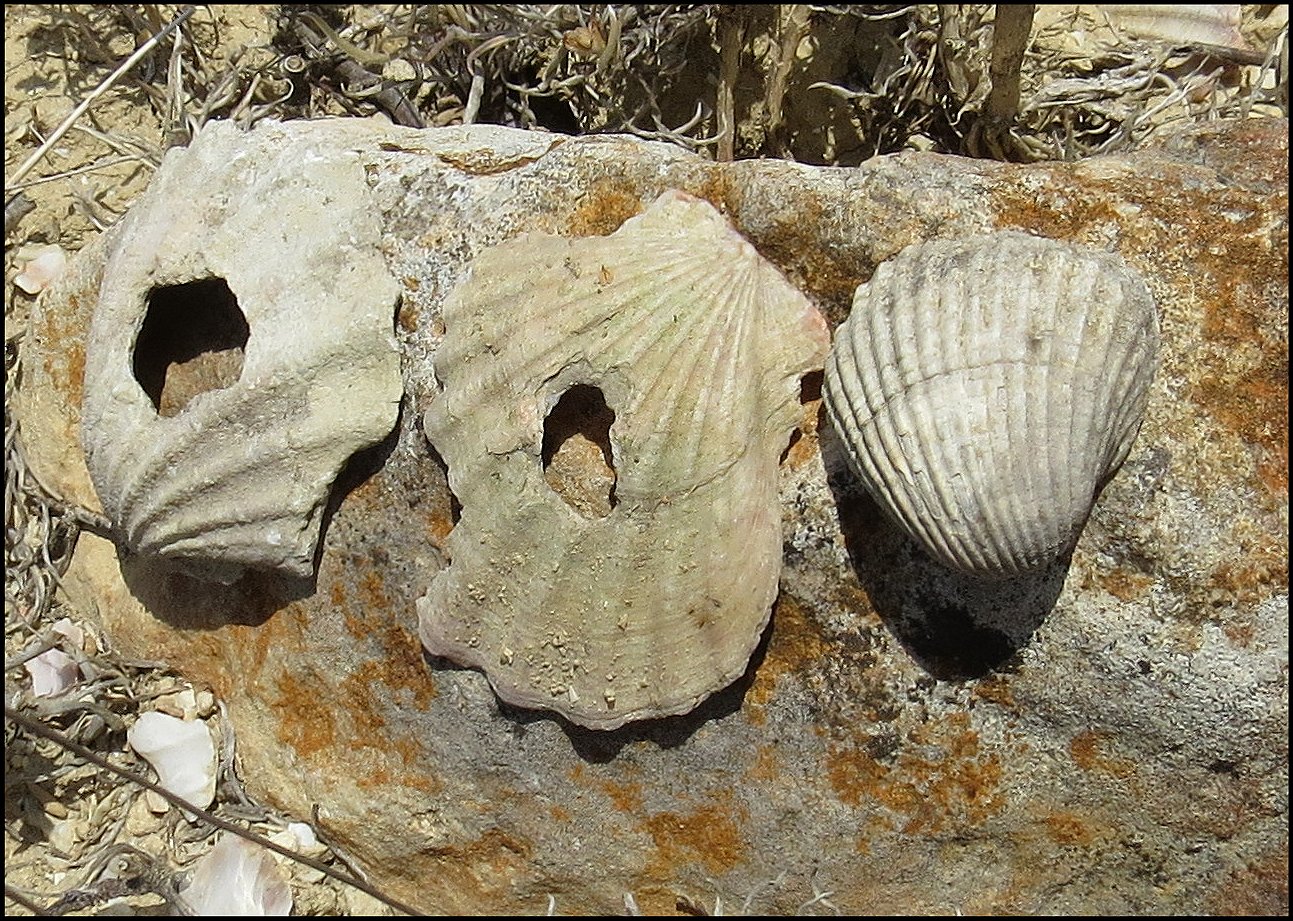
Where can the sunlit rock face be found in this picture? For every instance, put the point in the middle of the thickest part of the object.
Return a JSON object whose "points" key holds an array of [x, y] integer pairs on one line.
{"points": [[1110, 736]]}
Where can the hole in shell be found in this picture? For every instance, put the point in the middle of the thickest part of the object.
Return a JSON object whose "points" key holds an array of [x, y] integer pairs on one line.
{"points": [[810, 387], [192, 341], [810, 391], [577, 459], [451, 515]]}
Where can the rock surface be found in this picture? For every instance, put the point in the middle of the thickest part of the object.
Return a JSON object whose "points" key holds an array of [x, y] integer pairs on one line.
{"points": [[1108, 737]]}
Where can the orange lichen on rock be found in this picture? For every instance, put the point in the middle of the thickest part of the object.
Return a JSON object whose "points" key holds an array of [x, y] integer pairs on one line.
{"points": [[307, 724], [796, 643], [1087, 749], [1258, 574], [483, 870], [995, 688], [1260, 887], [1250, 397], [958, 790], [710, 834], [1064, 213], [1125, 584], [65, 365], [767, 764], [1071, 828], [719, 190], [625, 796], [793, 244], [608, 203], [401, 668]]}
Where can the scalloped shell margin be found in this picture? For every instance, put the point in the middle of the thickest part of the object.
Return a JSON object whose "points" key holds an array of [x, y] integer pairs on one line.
{"points": [[988, 388], [698, 346], [239, 478]]}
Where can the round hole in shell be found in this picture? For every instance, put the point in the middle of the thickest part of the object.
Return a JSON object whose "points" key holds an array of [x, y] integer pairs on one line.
{"points": [[192, 341], [810, 393], [578, 462]]}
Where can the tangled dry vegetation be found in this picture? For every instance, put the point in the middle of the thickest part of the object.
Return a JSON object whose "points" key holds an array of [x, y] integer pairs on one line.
{"points": [[95, 95]]}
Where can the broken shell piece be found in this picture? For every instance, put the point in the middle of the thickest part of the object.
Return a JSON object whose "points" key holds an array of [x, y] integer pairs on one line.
{"points": [[241, 351], [237, 877], [677, 351], [42, 268], [181, 753], [988, 388], [52, 672]]}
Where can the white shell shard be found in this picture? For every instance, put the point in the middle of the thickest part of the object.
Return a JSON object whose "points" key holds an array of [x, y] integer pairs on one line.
{"points": [[238, 878], [239, 476], [52, 672], [988, 388], [643, 605], [42, 269], [180, 751]]}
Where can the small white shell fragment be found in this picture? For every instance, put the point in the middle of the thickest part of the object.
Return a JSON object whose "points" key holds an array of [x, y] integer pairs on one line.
{"points": [[181, 752], [299, 837], [259, 283], [73, 632], [304, 835], [238, 878], [52, 672], [42, 268], [181, 703], [697, 346], [988, 388]]}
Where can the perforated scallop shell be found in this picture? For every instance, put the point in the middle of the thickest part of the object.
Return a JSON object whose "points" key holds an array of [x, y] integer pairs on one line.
{"points": [[697, 345], [988, 388], [239, 477]]}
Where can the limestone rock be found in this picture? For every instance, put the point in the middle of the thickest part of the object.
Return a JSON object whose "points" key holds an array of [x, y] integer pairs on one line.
{"points": [[1108, 738]]}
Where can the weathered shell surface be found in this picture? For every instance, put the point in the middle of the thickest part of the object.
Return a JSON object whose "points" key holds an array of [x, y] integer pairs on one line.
{"points": [[180, 751], [239, 477], [988, 388], [646, 607]]}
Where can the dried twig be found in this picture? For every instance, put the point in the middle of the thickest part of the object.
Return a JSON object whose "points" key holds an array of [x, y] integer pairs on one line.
{"points": [[731, 37], [1009, 41], [53, 735], [792, 26]]}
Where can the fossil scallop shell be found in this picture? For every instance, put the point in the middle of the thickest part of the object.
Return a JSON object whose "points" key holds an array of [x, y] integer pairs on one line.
{"points": [[239, 476], [646, 605], [988, 388]]}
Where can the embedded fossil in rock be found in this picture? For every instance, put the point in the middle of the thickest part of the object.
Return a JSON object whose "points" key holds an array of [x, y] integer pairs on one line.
{"points": [[241, 351], [988, 388], [677, 351]]}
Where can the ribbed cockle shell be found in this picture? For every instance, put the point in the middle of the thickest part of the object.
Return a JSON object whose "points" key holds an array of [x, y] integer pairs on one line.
{"points": [[988, 388], [647, 589]]}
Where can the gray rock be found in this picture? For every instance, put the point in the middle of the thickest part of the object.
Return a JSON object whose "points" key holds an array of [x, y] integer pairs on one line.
{"points": [[1107, 737]]}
